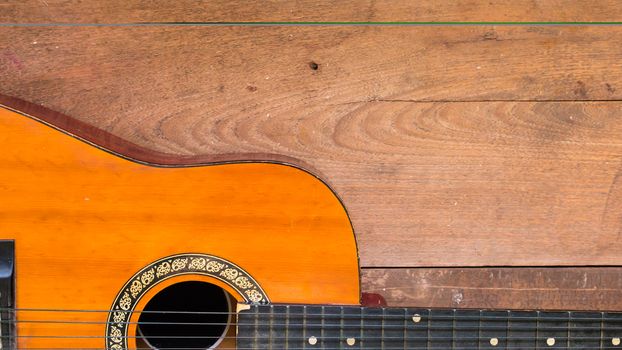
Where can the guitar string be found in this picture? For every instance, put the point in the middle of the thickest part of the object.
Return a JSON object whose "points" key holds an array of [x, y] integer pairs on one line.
{"points": [[323, 326], [318, 338], [378, 319], [320, 325], [423, 313]]}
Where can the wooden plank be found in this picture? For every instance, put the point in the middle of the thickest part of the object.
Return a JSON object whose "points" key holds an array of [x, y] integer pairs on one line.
{"points": [[118, 11], [475, 180], [499, 288], [268, 69]]}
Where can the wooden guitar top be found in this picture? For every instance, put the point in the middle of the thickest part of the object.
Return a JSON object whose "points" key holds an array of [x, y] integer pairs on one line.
{"points": [[85, 221]]}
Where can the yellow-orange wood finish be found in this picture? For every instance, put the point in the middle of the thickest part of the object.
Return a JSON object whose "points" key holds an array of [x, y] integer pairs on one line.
{"points": [[84, 221]]}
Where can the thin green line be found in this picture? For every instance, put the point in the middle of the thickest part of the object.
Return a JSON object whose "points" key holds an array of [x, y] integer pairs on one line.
{"points": [[398, 23], [421, 23]]}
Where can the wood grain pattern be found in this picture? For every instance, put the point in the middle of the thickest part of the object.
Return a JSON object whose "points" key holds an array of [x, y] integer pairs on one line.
{"points": [[502, 288], [557, 288], [55, 11], [172, 90], [499, 288], [249, 70], [475, 177]]}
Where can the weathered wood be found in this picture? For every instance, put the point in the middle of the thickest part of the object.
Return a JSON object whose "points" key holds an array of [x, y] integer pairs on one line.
{"points": [[270, 70], [119, 11], [502, 288], [484, 182]]}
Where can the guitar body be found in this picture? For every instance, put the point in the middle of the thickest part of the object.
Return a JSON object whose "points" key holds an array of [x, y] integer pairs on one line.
{"points": [[94, 231]]}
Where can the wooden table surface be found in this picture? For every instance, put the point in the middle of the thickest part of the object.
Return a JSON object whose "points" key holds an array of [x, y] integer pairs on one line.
{"points": [[452, 146]]}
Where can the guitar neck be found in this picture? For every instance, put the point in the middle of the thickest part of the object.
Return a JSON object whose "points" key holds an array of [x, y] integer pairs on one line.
{"points": [[337, 327]]}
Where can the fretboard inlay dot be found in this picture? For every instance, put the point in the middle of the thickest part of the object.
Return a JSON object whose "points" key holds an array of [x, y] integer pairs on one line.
{"points": [[416, 318], [312, 340], [550, 341], [615, 341], [494, 341], [350, 341]]}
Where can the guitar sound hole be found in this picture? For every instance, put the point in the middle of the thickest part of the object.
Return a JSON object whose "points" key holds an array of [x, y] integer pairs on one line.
{"points": [[187, 315]]}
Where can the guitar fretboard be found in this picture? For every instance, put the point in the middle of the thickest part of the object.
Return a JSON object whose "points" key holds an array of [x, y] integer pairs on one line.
{"points": [[335, 327]]}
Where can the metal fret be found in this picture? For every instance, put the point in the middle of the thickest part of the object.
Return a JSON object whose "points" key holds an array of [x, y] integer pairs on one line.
{"points": [[394, 328], [585, 329], [335, 328], [313, 327], [246, 324], [612, 330], [287, 324], [417, 326], [351, 328], [278, 327], [493, 329], [263, 317], [405, 322], [441, 329], [372, 328], [382, 335], [295, 327], [522, 330], [552, 330], [466, 329], [331, 336]]}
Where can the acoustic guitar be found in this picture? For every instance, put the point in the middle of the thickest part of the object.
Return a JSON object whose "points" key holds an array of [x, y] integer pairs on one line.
{"points": [[106, 245]]}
